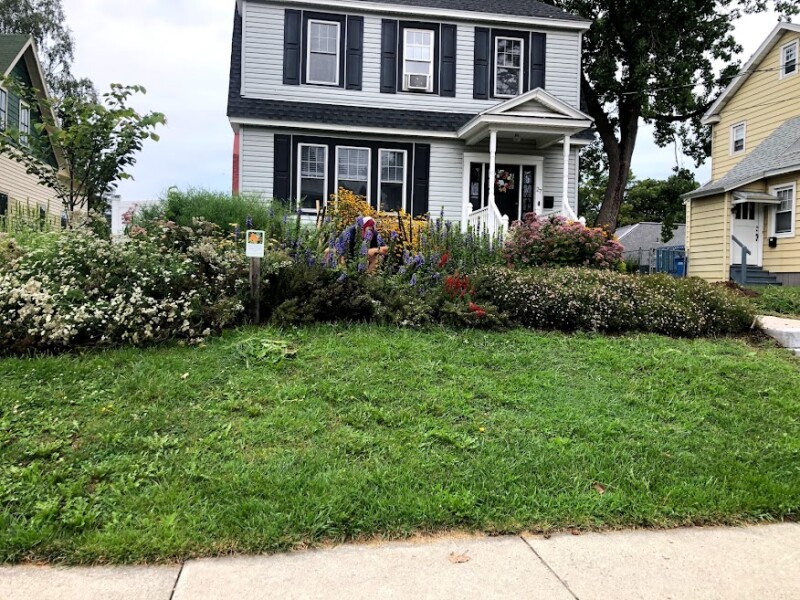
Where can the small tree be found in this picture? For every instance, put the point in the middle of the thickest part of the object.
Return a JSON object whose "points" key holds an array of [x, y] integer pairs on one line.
{"points": [[95, 141]]}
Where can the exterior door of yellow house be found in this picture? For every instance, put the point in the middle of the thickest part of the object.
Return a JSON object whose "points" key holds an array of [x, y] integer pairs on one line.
{"points": [[747, 224]]}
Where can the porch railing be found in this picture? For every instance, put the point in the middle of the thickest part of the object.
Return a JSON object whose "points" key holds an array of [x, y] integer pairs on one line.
{"points": [[745, 252], [487, 219]]}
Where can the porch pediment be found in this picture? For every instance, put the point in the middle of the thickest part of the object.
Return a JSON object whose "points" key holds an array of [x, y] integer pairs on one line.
{"points": [[536, 114]]}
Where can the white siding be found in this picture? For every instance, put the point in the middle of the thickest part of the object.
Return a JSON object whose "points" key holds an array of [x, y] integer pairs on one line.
{"points": [[447, 179], [262, 69], [257, 155], [25, 189]]}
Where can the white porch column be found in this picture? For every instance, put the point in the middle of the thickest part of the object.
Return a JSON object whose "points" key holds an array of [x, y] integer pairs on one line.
{"points": [[492, 164], [566, 209]]}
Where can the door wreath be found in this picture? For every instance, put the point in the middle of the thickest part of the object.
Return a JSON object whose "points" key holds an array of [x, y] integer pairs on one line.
{"points": [[504, 180]]}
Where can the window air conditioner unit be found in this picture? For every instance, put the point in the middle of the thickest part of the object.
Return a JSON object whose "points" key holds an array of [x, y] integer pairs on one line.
{"points": [[417, 82]]}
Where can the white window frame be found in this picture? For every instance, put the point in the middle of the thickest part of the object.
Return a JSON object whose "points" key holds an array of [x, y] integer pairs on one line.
{"points": [[299, 196], [432, 34], [774, 212], [4, 118], [734, 127], [521, 65], [24, 107], [369, 167], [781, 71], [338, 50], [380, 176]]}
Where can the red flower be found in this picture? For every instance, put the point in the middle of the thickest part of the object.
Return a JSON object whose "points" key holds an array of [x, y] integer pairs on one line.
{"points": [[456, 286], [444, 259], [476, 310]]}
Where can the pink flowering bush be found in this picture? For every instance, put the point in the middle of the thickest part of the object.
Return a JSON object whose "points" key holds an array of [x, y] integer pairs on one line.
{"points": [[556, 242]]}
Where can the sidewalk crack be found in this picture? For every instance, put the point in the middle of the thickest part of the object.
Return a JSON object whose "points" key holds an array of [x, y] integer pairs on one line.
{"points": [[177, 579], [549, 568]]}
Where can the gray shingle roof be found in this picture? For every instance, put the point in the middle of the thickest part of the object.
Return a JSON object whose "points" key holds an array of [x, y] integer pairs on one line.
{"points": [[520, 8], [779, 151], [10, 45]]}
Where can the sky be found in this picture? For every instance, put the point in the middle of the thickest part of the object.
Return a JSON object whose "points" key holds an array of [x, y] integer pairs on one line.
{"points": [[180, 51]]}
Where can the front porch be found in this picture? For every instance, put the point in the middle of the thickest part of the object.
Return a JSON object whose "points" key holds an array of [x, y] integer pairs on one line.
{"points": [[501, 187]]}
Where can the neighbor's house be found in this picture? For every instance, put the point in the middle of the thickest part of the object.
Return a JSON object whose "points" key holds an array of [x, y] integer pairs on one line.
{"points": [[19, 61], [470, 107], [752, 198], [641, 240]]}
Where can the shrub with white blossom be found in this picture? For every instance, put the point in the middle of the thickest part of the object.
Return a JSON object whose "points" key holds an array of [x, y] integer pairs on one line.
{"points": [[164, 282]]}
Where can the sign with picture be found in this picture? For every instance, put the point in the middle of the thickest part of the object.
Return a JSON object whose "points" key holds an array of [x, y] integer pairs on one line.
{"points": [[255, 243]]}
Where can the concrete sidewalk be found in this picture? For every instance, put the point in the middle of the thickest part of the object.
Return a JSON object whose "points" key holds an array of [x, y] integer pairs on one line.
{"points": [[784, 331], [697, 563]]}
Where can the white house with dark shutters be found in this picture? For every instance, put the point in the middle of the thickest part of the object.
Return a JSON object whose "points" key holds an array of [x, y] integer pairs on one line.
{"points": [[471, 107]]}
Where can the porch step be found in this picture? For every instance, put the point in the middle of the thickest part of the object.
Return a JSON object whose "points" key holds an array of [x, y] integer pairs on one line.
{"points": [[755, 276]]}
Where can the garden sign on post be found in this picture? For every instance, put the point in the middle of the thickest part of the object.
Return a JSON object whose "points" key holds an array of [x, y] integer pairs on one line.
{"points": [[254, 249]]}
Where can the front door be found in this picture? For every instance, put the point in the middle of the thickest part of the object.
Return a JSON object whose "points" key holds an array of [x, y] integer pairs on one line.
{"points": [[506, 190], [747, 225]]}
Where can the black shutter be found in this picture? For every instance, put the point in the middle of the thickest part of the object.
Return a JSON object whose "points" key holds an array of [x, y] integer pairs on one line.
{"points": [[281, 176], [480, 84], [448, 71], [292, 38], [422, 168], [538, 58], [355, 52], [389, 56], [3, 204]]}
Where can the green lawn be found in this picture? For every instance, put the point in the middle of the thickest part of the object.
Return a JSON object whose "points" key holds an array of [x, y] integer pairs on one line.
{"points": [[150, 455], [778, 300]]}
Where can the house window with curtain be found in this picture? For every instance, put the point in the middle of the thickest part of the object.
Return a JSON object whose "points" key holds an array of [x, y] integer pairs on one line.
{"points": [[312, 175], [352, 170], [789, 59], [784, 212], [738, 133], [24, 123], [508, 66], [323, 52], [392, 183], [417, 60]]}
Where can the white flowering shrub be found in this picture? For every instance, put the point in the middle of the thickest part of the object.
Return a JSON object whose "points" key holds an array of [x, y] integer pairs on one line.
{"points": [[570, 299], [163, 282]]}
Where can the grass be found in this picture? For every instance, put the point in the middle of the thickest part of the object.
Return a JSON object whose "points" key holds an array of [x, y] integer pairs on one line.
{"points": [[778, 300], [266, 440]]}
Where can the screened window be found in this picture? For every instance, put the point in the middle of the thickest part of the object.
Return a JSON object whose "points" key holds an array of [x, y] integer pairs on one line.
{"points": [[323, 52], [392, 180], [313, 175], [784, 213], [418, 60], [508, 61], [3, 109], [24, 123], [352, 170], [737, 138], [788, 60]]}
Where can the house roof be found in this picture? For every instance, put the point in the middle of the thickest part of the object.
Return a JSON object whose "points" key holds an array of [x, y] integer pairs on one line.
{"points": [[779, 153], [647, 235], [11, 49], [713, 113], [243, 109], [521, 8]]}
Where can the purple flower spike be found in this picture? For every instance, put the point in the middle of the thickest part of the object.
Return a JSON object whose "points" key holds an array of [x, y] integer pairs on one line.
{"points": [[364, 249], [395, 236], [362, 267], [413, 280], [360, 222], [342, 277]]}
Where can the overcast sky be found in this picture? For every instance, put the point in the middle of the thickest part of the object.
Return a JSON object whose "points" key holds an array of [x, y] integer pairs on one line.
{"points": [[180, 51]]}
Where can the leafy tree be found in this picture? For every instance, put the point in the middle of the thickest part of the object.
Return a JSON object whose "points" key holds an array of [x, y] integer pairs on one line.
{"points": [[44, 20], [96, 140], [659, 201], [653, 60]]}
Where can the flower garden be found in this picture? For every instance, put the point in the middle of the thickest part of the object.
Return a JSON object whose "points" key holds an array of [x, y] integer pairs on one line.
{"points": [[78, 288]]}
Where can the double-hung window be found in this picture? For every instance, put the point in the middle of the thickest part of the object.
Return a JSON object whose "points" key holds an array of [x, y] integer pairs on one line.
{"points": [[312, 175], [789, 60], [738, 133], [392, 182], [418, 60], [322, 62], [508, 66], [352, 170], [784, 212], [24, 123], [3, 109]]}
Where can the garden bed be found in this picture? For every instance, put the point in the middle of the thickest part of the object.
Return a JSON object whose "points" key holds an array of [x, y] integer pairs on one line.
{"points": [[268, 439]]}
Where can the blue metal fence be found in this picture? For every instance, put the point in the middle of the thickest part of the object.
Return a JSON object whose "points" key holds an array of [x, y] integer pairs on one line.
{"points": [[672, 260]]}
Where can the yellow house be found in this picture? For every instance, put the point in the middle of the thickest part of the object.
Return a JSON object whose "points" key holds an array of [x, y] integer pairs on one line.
{"points": [[751, 201]]}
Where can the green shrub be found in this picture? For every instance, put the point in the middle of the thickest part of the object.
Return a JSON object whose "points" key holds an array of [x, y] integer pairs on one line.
{"points": [[167, 282], [779, 300], [570, 299]]}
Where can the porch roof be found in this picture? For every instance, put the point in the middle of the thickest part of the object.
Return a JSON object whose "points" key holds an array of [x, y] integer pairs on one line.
{"points": [[536, 113]]}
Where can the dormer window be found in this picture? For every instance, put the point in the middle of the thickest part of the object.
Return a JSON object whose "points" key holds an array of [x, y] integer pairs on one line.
{"points": [[789, 60], [508, 66], [322, 62], [417, 60], [738, 133]]}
